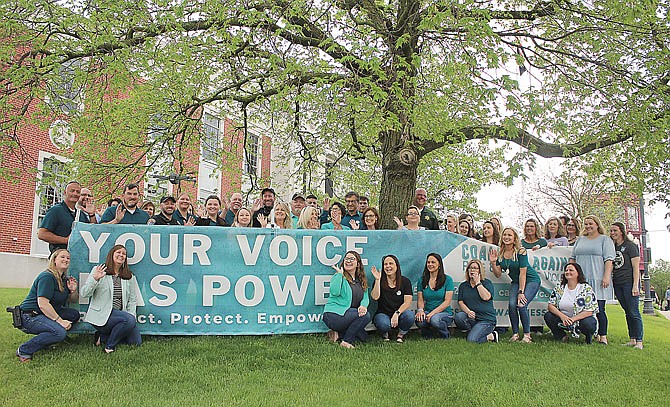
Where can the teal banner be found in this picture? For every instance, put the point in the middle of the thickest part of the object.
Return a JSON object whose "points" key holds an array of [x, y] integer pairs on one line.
{"points": [[247, 281]]}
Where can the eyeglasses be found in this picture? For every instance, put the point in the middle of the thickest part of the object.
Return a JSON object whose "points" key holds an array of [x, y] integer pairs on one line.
{"points": [[412, 213], [349, 259], [350, 201], [370, 216], [473, 268]]}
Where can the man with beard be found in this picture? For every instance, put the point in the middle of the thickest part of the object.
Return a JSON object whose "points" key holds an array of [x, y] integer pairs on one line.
{"points": [[164, 217], [57, 223], [127, 212], [268, 200]]}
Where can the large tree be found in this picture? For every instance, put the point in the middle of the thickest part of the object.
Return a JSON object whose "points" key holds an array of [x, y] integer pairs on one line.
{"points": [[389, 80]]}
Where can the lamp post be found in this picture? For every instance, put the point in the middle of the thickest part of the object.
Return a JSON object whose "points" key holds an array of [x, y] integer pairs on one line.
{"points": [[648, 302]]}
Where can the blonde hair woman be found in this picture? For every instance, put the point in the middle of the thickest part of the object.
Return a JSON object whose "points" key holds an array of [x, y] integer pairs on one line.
{"points": [[309, 218], [43, 312], [595, 252], [513, 260]]}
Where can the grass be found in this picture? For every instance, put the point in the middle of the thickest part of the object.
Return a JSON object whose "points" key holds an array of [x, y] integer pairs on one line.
{"points": [[308, 370]]}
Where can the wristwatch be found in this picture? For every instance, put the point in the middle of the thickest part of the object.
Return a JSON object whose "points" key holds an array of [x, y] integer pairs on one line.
{"points": [[520, 291]]}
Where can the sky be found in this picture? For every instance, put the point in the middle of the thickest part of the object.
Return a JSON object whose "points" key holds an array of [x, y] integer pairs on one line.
{"points": [[499, 198]]}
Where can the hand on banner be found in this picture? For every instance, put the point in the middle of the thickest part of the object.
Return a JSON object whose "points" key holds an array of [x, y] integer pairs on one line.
{"points": [[99, 272], [376, 273]]}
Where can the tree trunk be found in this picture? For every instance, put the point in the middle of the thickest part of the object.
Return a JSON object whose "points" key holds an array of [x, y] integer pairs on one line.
{"points": [[399, 173]]}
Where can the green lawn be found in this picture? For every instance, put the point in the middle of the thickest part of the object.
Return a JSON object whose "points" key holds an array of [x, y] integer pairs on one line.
{"points": [[308, 370]]}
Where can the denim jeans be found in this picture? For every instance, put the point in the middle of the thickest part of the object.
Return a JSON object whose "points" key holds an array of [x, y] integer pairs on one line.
{"points": [[515, 311], [477, 330], [602, 318], [631, 306], [383, 322], [439, 321], [121, 327], [47, 330], [586, 326], [349, 326]]}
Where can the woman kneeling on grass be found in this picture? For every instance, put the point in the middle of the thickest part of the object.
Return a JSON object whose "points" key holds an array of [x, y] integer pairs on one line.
{"points": [[475, 298], [393, 293], [43, 312], [111, 311], [572, 306], [346, 312], [434, 293]]}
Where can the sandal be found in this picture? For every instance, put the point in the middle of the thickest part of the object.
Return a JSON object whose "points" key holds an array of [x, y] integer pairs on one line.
{"points": [[526, 339], [514, 338], [333, 336], [346, 345], [399, 339]]}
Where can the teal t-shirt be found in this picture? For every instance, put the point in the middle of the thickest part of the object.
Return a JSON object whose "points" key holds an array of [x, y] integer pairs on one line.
{"points": [[433, 298], [484, 310], [542, 242], [513, 267], [45, 285]]}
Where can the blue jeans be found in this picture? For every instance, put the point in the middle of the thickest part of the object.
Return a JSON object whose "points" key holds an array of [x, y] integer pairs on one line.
{"points": [[349, 326], [47, 330], [121, 327], [586, 326], [631, 306], [515, 311], [602, 318], [439, 321], [477, 330], [383, 322]]}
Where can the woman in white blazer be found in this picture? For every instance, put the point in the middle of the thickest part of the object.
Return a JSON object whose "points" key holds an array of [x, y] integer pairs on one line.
{"points": [[111, 311]]}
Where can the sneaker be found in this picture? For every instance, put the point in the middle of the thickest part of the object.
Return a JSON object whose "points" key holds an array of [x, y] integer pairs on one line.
{"points": [[495, 336], [23, 358]]}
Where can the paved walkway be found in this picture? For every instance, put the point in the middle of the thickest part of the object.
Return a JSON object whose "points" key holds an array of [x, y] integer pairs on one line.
{"points": [[665, 314]]}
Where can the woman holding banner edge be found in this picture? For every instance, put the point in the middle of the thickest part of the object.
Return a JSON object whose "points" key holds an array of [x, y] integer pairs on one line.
{"points": [[512, 259], [346, 312]]}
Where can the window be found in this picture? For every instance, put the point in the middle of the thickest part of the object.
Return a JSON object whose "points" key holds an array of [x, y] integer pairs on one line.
{"points": [[52, 185], [65, 92], [211, 138], [251, 154]]}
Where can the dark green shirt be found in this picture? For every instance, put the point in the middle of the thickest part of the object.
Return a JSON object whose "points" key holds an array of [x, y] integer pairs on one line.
{"points": [[45, 285], [514, 266], [484, 310], [58, 220], [428, 219]]}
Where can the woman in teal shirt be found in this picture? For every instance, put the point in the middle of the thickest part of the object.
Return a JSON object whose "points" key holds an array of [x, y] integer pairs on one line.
{"points": [[346, 312], [525, 280], [434, 293]]}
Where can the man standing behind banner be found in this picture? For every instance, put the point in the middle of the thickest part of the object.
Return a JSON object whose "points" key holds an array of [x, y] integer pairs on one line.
{"points": [[233, 206], [165, 217], [268, 200], [428, 218], [57, 223], [127, 212]]}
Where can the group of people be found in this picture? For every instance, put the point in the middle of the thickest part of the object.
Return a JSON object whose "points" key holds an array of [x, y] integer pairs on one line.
{"points": [[599, 263]]}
